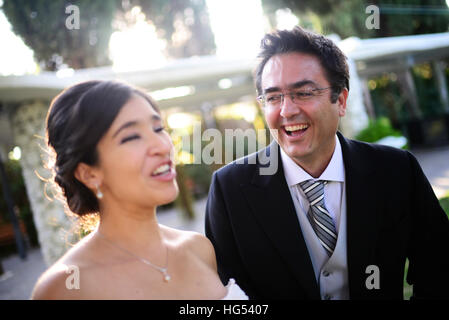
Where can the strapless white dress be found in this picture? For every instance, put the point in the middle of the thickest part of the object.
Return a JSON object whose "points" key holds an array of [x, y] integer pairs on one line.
{"points": [[234, 292]]}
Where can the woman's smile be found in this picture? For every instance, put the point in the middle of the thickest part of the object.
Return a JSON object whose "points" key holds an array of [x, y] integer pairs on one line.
{"points": [[164, 172]]}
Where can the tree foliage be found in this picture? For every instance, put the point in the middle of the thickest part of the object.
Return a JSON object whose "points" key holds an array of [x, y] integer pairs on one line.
{"points": [[42, 25], [347, 17], [183, 23], [404, 17]]}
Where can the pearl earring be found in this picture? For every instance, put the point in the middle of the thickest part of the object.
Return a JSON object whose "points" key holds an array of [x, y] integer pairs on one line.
{"points": [[99, 193]]}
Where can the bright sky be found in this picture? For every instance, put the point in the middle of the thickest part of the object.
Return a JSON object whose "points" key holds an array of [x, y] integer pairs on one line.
{"points": [[15, 57], [238, 26], [138, 47]]}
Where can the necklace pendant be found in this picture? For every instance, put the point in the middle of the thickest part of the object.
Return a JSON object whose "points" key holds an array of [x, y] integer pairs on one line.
{"points": [[167, 277]]}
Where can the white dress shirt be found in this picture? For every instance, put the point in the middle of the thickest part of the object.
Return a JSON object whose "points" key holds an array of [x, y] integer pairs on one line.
{"points": [[335, 285]]}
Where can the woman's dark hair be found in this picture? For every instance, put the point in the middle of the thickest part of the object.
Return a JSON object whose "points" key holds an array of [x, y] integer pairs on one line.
{"points": [[76, 121], [300, 40]]}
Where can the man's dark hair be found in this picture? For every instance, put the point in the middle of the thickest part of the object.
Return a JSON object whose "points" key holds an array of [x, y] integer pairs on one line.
{"points": [[332, 59]]}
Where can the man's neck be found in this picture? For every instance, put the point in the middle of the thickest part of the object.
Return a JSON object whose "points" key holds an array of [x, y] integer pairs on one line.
{"points": [[316, 164]]}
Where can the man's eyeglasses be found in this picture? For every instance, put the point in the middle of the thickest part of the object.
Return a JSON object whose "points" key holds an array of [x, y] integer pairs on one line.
{"points": [[275, 99]]}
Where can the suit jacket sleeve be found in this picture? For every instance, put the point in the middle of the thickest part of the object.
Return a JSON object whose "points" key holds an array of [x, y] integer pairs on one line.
{"points": [[219, 231], [428, 252]]}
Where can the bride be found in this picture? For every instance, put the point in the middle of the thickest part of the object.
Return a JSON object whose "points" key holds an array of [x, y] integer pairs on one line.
{"points": [[113, 156]]}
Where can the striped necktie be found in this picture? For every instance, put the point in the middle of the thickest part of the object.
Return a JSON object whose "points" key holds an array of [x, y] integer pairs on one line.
{"points": [[318, 216]]}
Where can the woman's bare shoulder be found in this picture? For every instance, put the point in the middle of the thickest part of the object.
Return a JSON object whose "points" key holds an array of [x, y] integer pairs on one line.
{"points": [[62, 279], [59, 282], [194, 242]]}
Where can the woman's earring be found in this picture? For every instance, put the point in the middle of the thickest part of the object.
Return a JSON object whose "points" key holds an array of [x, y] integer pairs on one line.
{"points": [[99, 193]]}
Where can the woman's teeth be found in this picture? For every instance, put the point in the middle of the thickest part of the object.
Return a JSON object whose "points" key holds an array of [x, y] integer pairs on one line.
{"points": [[162, 169]]}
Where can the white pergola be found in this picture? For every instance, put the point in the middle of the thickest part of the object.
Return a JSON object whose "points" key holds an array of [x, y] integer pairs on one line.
{"points": [[199, 75], [202, 74], [398, 54]]}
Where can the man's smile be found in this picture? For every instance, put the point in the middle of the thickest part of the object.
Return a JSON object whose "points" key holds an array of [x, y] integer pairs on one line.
{"points": [[295, 129]]}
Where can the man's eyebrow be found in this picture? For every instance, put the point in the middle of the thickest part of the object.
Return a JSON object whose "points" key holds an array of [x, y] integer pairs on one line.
{"points": [[271, 89], [133, 123], [295, 85], [302, 83]]}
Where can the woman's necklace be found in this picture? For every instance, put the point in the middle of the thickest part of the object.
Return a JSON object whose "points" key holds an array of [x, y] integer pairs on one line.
{"points": [[166, 276]]}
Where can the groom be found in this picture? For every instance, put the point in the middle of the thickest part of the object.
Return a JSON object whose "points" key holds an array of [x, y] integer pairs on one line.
{"points": [[338, 218]]}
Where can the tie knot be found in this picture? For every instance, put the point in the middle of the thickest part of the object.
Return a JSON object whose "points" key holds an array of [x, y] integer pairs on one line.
{"points": [[314, 191]]}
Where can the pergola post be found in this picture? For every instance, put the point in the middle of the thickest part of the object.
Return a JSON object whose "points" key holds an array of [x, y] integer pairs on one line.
{"points": [[408, 88], [55, 229], [367, 99], [356, 118], [438, 68]]}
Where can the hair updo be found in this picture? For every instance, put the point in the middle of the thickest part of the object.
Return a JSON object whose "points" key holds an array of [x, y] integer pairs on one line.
{"points": [[76, 121]]}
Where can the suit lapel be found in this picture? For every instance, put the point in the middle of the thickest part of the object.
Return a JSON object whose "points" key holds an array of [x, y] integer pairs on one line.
{"points": [[362, 206], [270, 200]]}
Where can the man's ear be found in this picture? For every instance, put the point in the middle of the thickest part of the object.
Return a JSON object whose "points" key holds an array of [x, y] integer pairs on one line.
{"points": [[88, 175], [341, 102]]}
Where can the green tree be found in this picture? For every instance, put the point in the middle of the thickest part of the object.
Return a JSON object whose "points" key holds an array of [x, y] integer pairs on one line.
{"points": [[183, 23], [347, 18], [407, 17], [42, 26]]}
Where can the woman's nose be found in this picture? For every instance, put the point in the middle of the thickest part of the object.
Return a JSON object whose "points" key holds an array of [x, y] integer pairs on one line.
{"points": [[161, 144]]}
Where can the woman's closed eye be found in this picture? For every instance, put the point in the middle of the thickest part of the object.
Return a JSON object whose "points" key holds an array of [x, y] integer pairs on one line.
{"points": [[159, 129], [129, 138], [156, 128]]}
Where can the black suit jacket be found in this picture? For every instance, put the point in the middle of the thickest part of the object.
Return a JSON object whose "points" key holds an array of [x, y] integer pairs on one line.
{"points": [[392, 214]]}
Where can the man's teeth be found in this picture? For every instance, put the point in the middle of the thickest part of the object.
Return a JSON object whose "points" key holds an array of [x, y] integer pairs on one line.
{"points": [[161, 169], [297, 127]]}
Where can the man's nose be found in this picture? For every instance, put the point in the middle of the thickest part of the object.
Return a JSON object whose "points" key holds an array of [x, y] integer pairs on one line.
{"points": [[288, 107]]}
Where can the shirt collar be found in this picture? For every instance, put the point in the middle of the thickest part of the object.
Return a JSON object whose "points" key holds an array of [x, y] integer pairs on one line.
{"points": [[335, 170]]}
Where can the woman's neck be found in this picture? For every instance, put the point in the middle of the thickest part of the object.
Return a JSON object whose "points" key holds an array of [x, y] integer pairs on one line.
{"points": [[136, 229]]}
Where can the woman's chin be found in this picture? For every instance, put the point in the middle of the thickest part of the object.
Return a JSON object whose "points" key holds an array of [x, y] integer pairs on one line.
{"points": [[151, 197], [169, 195]]}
